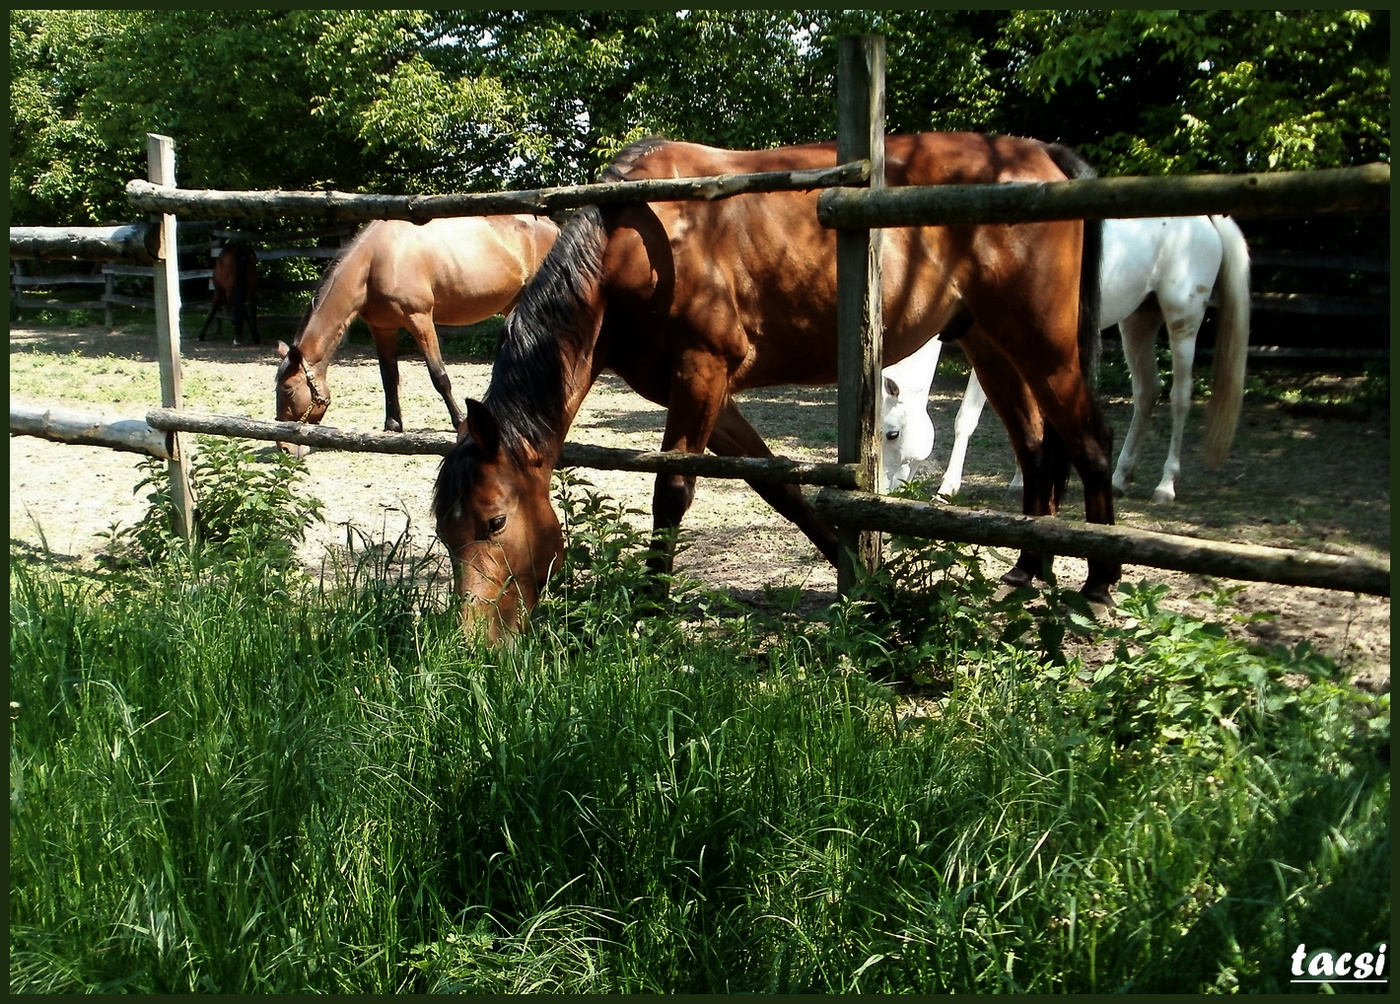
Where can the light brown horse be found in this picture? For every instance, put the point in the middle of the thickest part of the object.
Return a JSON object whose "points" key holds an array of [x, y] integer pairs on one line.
{"points": [[690, 302], [400, 275]]}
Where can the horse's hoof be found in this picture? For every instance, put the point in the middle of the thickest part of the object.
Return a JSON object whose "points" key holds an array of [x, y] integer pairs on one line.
{"points": [[392, 426], [1017, 577], [1097, 593], [1162, 495]]}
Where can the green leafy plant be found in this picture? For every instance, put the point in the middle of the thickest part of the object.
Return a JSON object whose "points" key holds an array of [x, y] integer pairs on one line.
{"points": [[1179, 680], [914, 615], [604, 577], [241, 505]]}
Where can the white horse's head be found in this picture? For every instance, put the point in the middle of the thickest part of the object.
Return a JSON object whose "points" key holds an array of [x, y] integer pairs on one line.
{"points": [[908, 433], [908, 430]]}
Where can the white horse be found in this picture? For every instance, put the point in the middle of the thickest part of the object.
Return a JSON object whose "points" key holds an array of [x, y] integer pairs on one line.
{"points": [[908, 431], [1154, 270]]}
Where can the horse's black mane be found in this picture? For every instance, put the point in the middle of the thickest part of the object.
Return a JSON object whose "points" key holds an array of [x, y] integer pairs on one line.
{"points": [[628, 156], [527, 393]]}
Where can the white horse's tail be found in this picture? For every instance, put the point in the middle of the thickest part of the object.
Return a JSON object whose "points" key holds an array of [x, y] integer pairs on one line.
{"points": [[1231, 342]]}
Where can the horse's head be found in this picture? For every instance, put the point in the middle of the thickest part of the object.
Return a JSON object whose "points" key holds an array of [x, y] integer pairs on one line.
{"points": [[493, 512], [908, 434], [302, 391]]}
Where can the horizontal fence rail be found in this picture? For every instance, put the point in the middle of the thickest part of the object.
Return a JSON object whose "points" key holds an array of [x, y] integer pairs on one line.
{"points": [[209, 203], [766, 469], [65, 425], [844, 507], [133, 242], [1248, 562], [1291, 193]]}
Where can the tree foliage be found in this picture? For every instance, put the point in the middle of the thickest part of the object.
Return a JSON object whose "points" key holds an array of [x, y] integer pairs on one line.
{"points": [[434, 101]]}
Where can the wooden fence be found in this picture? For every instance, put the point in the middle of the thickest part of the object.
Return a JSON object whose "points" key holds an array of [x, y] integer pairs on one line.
{"points": [[92, 243], [857, 214]]}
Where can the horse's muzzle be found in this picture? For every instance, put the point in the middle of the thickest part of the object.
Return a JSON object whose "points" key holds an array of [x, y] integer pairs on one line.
{"points": [[495, 603]]}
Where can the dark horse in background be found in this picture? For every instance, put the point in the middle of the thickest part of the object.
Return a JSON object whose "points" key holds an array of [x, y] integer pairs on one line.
{"points": [[690, 302], [236, 290]]}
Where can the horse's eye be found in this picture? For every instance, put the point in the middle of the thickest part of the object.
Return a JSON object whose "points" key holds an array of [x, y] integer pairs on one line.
{"points": [[496, 524], [892, 435]]}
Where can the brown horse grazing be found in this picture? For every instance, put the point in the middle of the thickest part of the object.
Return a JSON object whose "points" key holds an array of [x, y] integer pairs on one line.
{"points": [[401, 275], [690, 302], [235, 289]]}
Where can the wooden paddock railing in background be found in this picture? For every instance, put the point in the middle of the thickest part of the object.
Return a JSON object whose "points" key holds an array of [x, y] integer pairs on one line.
{"points": [[120, 250], [1350, 190]]}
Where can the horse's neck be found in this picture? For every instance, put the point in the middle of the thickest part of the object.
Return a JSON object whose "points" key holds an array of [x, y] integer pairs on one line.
{"points": [[339, 301], [580, 373]]}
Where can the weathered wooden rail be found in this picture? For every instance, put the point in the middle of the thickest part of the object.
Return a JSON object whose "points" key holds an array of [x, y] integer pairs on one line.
{"points": [[1247, 562], [836, 500], [65, 425], [1286, 193], [138, 242], [197, 203]]}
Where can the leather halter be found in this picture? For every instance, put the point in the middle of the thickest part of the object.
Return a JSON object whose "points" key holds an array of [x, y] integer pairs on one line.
{"points": [[316, 396]]}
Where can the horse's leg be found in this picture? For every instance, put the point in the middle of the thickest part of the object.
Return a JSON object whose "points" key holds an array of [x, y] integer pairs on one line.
{"points": [[386, 347], [697, 390], [252, 313], [733, 436], [969, 413], [1041, 463], [1072, 411], [424, 332], [1139, 331], [213, 310], [1181, 331]]}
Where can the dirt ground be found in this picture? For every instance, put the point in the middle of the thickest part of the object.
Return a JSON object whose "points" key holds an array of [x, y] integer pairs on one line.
{"points": [[1303, 477]]}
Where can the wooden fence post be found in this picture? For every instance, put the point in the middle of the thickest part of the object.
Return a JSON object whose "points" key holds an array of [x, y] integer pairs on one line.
{"points": [[160, 158], [860, 135]]}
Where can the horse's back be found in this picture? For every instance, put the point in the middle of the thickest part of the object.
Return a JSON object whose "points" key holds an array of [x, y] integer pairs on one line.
{"points": [[754, 276], [459, 269], [1175, 257], [929, 158]]}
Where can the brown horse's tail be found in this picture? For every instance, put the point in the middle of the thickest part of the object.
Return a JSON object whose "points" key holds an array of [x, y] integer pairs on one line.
{"points": [[1090, 288], [1231, 342]]}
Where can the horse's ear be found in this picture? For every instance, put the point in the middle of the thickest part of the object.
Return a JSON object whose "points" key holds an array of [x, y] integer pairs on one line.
{"points": [[283, 350], [891, 388], [481, 425]]}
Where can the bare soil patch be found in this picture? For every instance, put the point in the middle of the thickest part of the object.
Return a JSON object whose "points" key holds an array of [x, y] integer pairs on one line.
{"points": [[1298, 476]]}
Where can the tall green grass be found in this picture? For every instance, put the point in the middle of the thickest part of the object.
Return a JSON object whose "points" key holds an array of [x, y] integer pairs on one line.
{"points": [[217, 786]]}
